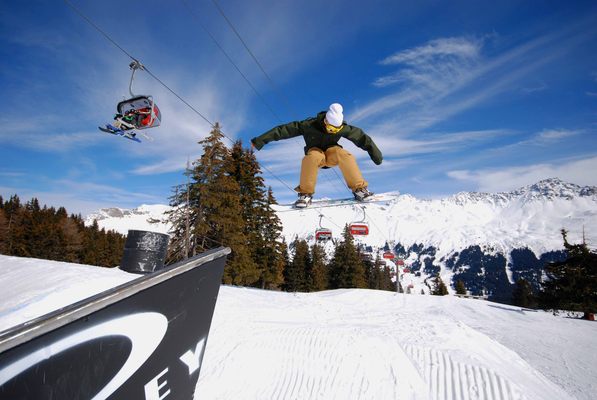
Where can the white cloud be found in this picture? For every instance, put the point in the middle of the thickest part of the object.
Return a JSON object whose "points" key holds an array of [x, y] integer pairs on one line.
{"points": [[434, 142], [536, 88], [447, 76], [581, 172], [552, 135], [439, 48]]}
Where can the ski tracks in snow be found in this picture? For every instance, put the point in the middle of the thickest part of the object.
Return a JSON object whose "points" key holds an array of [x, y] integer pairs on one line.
{"points": [[350, 344], [447, 379]]}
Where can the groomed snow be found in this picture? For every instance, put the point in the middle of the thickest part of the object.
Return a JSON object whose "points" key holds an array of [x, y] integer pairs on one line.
{"points": [[352, 343], [31, 287], [365, 344]]}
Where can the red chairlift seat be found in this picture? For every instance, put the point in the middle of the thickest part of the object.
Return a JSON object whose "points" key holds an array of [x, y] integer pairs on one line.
{"points": [[406, 270], [322, 235], [388, 255], [400, 262], [359, 228]]}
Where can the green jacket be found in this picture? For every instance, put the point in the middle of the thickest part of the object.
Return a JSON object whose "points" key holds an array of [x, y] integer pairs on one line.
{"points": [[315, 135]]}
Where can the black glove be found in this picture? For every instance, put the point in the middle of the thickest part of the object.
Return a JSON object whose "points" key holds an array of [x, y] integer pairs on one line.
{"points": [[377, 160]]}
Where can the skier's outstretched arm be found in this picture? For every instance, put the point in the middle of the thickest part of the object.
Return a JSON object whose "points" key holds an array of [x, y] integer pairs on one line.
{"points": [[280, 132], [363, 141]]}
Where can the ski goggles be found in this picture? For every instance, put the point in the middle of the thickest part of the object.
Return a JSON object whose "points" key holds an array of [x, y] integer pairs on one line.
{"points": [[331, 128]]}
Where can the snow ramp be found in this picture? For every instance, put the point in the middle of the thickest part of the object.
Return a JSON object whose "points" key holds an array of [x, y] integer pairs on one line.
{"points": [[144, 339]]}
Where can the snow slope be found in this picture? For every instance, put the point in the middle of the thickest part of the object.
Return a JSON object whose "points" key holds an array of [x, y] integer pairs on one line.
{"points": [[350, 344], [31, 287]]}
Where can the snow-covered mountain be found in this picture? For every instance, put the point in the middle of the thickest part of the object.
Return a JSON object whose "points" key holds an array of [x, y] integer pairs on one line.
{"points": [[488, 240], [145, 217]]}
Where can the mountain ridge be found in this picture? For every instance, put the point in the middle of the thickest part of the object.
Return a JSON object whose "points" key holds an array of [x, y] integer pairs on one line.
{"points": [[488, 240]]}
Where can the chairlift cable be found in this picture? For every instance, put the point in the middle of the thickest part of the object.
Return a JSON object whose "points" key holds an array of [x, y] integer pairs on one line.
{"points": [[90, 22], [231, 61], [135, 60], [341, 181], [270, 80]]}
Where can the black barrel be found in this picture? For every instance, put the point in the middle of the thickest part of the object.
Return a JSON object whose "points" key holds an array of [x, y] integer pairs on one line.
{"points": [[144, 252]]}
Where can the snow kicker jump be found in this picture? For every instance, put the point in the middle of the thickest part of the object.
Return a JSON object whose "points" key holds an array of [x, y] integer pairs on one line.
{"points": [[144, 339]]}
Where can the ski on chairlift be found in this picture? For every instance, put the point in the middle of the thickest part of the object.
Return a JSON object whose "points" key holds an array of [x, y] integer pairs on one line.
{"points": [[138, 112]]}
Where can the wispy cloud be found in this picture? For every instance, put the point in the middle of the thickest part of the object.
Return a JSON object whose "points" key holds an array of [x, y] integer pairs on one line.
{"points": [[535, 88], [435, 142], [447, 57], [553, 135], [448, 76], [579, 171]]}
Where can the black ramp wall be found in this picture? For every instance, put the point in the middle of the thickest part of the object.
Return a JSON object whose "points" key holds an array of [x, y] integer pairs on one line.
{"points": [[142, 340]]}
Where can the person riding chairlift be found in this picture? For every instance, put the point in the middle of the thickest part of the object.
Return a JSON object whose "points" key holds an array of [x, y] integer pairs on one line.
{"points": [[133, 119]]}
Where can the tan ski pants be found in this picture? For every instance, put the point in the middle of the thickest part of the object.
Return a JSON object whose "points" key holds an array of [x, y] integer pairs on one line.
{"points": [[317, 158]]}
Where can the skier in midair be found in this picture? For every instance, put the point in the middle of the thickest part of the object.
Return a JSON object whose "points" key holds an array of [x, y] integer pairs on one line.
{"points": [[321, 134]]}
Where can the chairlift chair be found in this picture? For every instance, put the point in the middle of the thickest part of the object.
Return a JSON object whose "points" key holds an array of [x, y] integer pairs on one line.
{"points": [[388, 255], [359, 228], [322, 234], [147, 113]]}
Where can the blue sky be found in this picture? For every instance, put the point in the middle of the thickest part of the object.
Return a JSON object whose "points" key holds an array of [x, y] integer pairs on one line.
{"points": [[459, 96]]}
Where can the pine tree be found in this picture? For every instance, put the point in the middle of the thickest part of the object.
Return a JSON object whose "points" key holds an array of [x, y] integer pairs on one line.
{"points": [[263, 228], [373, 273], [386, 279], [571, 283], [295, 272], [3, 231], [346, 269], [246, 171], [16, 235], [271, 253], [90, 250], [439, 287], [219, 214], [318, 268], [460, 287], [522, 295], [73, 239], [182, 217]]}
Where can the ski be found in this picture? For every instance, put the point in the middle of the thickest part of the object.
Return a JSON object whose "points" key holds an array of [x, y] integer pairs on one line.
{"points": [[119, 132]]}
